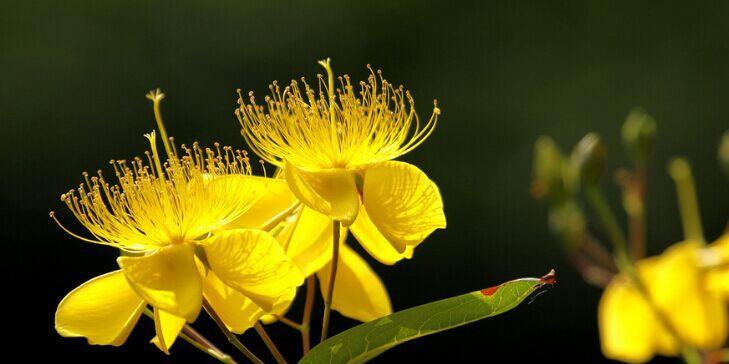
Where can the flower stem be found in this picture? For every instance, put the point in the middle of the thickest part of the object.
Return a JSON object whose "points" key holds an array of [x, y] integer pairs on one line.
{"points": [[611, 226], [634, 187], [306, 321], [680, 171], [305, 326], [288, 322], [199, 342], [332, 276], [229, 335], [269, 343], [222, 357]]}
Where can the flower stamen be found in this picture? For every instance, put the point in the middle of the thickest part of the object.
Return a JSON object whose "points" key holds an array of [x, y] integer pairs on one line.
{"points": [[333, 127]]}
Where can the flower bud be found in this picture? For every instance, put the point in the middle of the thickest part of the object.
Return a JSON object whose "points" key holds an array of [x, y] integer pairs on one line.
{"points": [[589, 158], [567, 221], [724, 153], [639, 133], [548, 169]]}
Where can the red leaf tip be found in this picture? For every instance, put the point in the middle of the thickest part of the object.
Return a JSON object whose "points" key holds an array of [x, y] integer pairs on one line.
{"points": [[549, 278]]}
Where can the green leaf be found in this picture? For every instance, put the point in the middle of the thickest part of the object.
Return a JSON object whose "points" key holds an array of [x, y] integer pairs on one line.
{"points": [[362, 343]]}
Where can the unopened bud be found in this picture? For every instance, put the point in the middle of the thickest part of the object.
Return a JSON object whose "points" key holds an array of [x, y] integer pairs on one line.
{"points": [[547, 168], [567, 221], [724, 153], [639, 134], [589, 159]]}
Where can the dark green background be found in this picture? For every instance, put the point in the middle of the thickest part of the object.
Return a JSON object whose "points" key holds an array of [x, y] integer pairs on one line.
{"points": [[73, 75]]}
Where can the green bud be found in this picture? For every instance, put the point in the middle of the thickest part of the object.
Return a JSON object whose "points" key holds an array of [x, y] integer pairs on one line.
{"points": [[548, 169], [589, 159], [567, 221], [639, 134], [724, 152]]}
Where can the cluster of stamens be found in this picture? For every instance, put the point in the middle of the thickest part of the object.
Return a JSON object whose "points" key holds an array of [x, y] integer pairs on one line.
{"points": [[333, 128], [155, 203]]}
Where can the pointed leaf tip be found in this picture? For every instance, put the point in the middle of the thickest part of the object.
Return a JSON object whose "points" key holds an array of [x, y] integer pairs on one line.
{"points": [[366, 341], [549, 278]]}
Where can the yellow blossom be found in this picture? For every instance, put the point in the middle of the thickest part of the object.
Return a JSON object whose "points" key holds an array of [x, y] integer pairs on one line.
{"points": [[336, 148], [305, 235], [715, 258], [676, 282], [161, 216]]}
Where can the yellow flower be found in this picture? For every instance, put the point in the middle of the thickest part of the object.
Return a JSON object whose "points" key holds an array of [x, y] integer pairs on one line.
{"points": [[337, 155], [305, 235], [717, 256], [161, 216], [677, 284]]}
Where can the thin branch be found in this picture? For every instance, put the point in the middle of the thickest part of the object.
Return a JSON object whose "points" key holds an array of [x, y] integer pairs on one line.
{"points": [[332, 277], [195, 339], [288, 322], [269, 343], [308, 306], [229, 335]]}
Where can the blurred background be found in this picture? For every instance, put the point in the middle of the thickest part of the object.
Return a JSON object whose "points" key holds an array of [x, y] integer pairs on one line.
{"points": [[74, 75]]}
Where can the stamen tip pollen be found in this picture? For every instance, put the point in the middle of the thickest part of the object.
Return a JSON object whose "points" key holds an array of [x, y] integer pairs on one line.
{"points": [[155, 95]]}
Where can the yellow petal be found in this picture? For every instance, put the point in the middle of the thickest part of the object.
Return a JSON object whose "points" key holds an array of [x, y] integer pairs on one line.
{"points": [[167, 279], [310, 245], [103, 310], [722, 246], [676, 286], [253, 262], [276, 197], [237, 311], [332, 192], [717, 282], [717, 277], [626, 322], [358, 291], [375, 243], [402, 203], [168, 327], [279, 309]]}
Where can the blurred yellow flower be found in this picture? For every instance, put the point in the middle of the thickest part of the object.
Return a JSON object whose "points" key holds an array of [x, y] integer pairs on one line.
{"points": [[337, 154], [717, 255], [161, 216], [681, 287]]}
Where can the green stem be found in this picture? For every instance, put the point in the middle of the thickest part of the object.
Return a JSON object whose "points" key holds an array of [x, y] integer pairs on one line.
{"points": [[680, 171], [691, 356], [199, 342], [229, 335], [634, 188], [611, 226], [269, 343], [332, 276]]}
